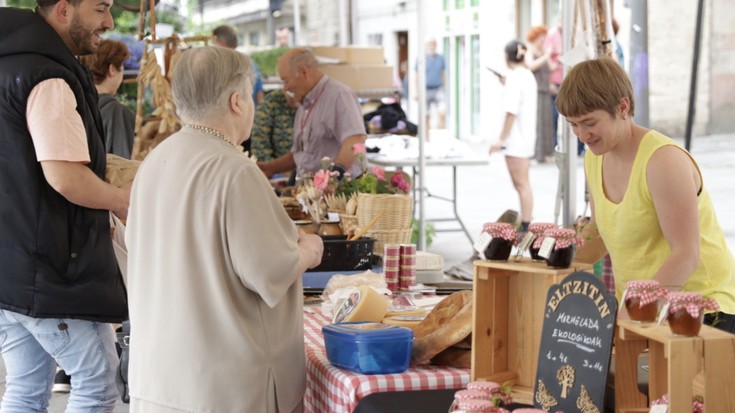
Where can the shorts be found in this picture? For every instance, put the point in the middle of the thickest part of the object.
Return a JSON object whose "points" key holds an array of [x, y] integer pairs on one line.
{"points": [[435, 96]]}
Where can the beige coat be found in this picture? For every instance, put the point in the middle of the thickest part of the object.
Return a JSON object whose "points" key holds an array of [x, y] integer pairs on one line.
{"points": [[215, 300]]}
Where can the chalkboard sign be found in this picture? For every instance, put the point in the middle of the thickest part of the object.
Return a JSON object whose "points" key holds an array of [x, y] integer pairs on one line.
{"points": [[576, 341]]}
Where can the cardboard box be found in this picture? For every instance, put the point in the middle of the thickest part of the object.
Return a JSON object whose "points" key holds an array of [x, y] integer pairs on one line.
{"points": [[361, 77], [354, 55]]}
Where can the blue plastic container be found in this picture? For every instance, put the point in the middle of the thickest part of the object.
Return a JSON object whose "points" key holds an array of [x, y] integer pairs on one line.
{"points": [[369, 348]]}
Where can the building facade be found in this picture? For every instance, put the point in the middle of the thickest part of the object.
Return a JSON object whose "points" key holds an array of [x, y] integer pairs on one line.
{"points": [[471, 35]]}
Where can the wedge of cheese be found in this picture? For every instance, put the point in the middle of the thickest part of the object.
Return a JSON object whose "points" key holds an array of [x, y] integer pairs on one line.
{"points": [[409, 321], [363, 304]]}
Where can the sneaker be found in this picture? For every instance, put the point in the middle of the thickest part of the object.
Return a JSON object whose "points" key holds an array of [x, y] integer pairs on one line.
{"points": [[62, 382]]}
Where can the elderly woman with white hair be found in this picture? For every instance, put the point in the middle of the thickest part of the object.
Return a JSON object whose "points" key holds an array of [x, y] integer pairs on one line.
{"points": [[215, 263]]}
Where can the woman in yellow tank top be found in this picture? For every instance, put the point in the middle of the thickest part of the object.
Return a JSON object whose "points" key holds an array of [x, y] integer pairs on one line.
{"points": [[653, 212]]}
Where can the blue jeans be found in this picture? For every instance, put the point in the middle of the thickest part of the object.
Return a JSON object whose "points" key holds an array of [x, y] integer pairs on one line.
{"points": [[31, 349]]}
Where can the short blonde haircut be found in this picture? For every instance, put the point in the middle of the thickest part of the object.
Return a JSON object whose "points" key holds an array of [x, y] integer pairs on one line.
{"points": [[205, 77], [592, 85]]}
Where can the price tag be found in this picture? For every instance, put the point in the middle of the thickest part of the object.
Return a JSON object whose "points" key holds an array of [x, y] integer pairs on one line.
{"points": [[482, 242], [333, 216], [663, 313], [659, 408], [525, 244], [527, 241], [546, 247]]}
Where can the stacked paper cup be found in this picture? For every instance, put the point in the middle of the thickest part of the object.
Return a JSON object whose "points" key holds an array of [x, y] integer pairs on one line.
{"points": [[407, 273], [391, 265]]}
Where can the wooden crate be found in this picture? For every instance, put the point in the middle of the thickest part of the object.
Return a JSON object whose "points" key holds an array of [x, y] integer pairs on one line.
{"points": [[508, 311], [674, 364]]}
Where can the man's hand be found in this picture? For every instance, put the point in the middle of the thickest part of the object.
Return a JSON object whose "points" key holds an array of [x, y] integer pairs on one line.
{"points": [[312, 248]]}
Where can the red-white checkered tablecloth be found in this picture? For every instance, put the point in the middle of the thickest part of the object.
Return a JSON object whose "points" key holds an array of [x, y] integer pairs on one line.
{"points": [[331, 389]]}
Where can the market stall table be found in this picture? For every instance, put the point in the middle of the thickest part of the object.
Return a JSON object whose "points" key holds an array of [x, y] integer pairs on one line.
{"points": [[331, 389], [402, 152]]}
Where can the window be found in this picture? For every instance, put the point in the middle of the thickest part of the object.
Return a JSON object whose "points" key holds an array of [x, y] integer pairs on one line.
{"points": [[553, 10], [254, 38], [375, 39], [475, 85]]}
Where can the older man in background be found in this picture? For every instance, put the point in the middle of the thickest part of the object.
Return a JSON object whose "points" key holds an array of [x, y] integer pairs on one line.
{"points": [[327, 123]]}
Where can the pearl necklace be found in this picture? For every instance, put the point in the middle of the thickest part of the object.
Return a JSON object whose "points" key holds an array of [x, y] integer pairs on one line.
{"points": [[213, 132]]}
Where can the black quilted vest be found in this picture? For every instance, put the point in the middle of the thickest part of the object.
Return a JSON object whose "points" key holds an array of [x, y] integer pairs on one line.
{"points": [[56, 258]]}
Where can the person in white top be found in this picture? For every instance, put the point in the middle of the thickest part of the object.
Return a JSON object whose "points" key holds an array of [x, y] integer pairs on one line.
{"points": [[518, 137]]}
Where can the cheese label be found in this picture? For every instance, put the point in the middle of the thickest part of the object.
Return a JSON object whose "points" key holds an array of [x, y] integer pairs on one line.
{"points": [[348, 306]]}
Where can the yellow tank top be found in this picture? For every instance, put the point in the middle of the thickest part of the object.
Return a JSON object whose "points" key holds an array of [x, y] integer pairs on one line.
{"points": [[633, 237]]}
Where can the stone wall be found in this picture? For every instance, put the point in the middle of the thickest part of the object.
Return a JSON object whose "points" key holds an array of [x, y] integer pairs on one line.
{"points": [[722, 42], [671, 32]]}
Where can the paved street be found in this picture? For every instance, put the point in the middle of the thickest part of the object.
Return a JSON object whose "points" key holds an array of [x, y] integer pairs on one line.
{"points": [[486, 191]]}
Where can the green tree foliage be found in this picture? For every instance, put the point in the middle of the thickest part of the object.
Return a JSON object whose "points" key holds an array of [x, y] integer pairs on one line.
{"points": [[267, 60], [23, 4]]}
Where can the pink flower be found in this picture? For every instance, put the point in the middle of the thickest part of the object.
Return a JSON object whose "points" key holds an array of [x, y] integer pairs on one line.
{"points": [[321, 179], [398, 181], [359, 148], [379, 173]]}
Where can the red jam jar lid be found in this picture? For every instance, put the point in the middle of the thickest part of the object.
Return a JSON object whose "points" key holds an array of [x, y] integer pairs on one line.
{"points": [[489, 387], [565, 237], [685, 298], [538, 228], [642, 285], [692, 302], [480, 406], [500, 230], [646, 291], [471, 395]]}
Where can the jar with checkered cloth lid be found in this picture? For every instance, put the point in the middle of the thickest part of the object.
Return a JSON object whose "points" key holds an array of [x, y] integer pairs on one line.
{"points": [[642, 298], [686, 311], [504, 237]]}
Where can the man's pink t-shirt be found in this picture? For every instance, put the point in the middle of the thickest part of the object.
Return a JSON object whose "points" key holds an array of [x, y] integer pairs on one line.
{"points": [[55, 125]]}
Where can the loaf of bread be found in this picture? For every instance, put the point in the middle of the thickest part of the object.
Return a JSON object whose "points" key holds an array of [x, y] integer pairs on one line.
{"points": [[447, 324]]}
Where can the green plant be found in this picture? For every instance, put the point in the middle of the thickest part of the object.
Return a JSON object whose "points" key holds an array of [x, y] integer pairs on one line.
{"points": [[267, 60], [429, 232]]}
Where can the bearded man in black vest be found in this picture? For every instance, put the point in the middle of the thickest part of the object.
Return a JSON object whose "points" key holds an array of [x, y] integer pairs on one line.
{"points": [[60, 285]]}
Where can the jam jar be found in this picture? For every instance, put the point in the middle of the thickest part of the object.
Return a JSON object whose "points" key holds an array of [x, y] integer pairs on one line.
{"points": [[503, 238], [538, 229], [642, 299], [686, 311]]}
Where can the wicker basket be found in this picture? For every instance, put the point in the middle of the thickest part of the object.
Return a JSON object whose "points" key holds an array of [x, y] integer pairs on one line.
{"points": [[390, 236], [348, 223], [398, 211]]}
